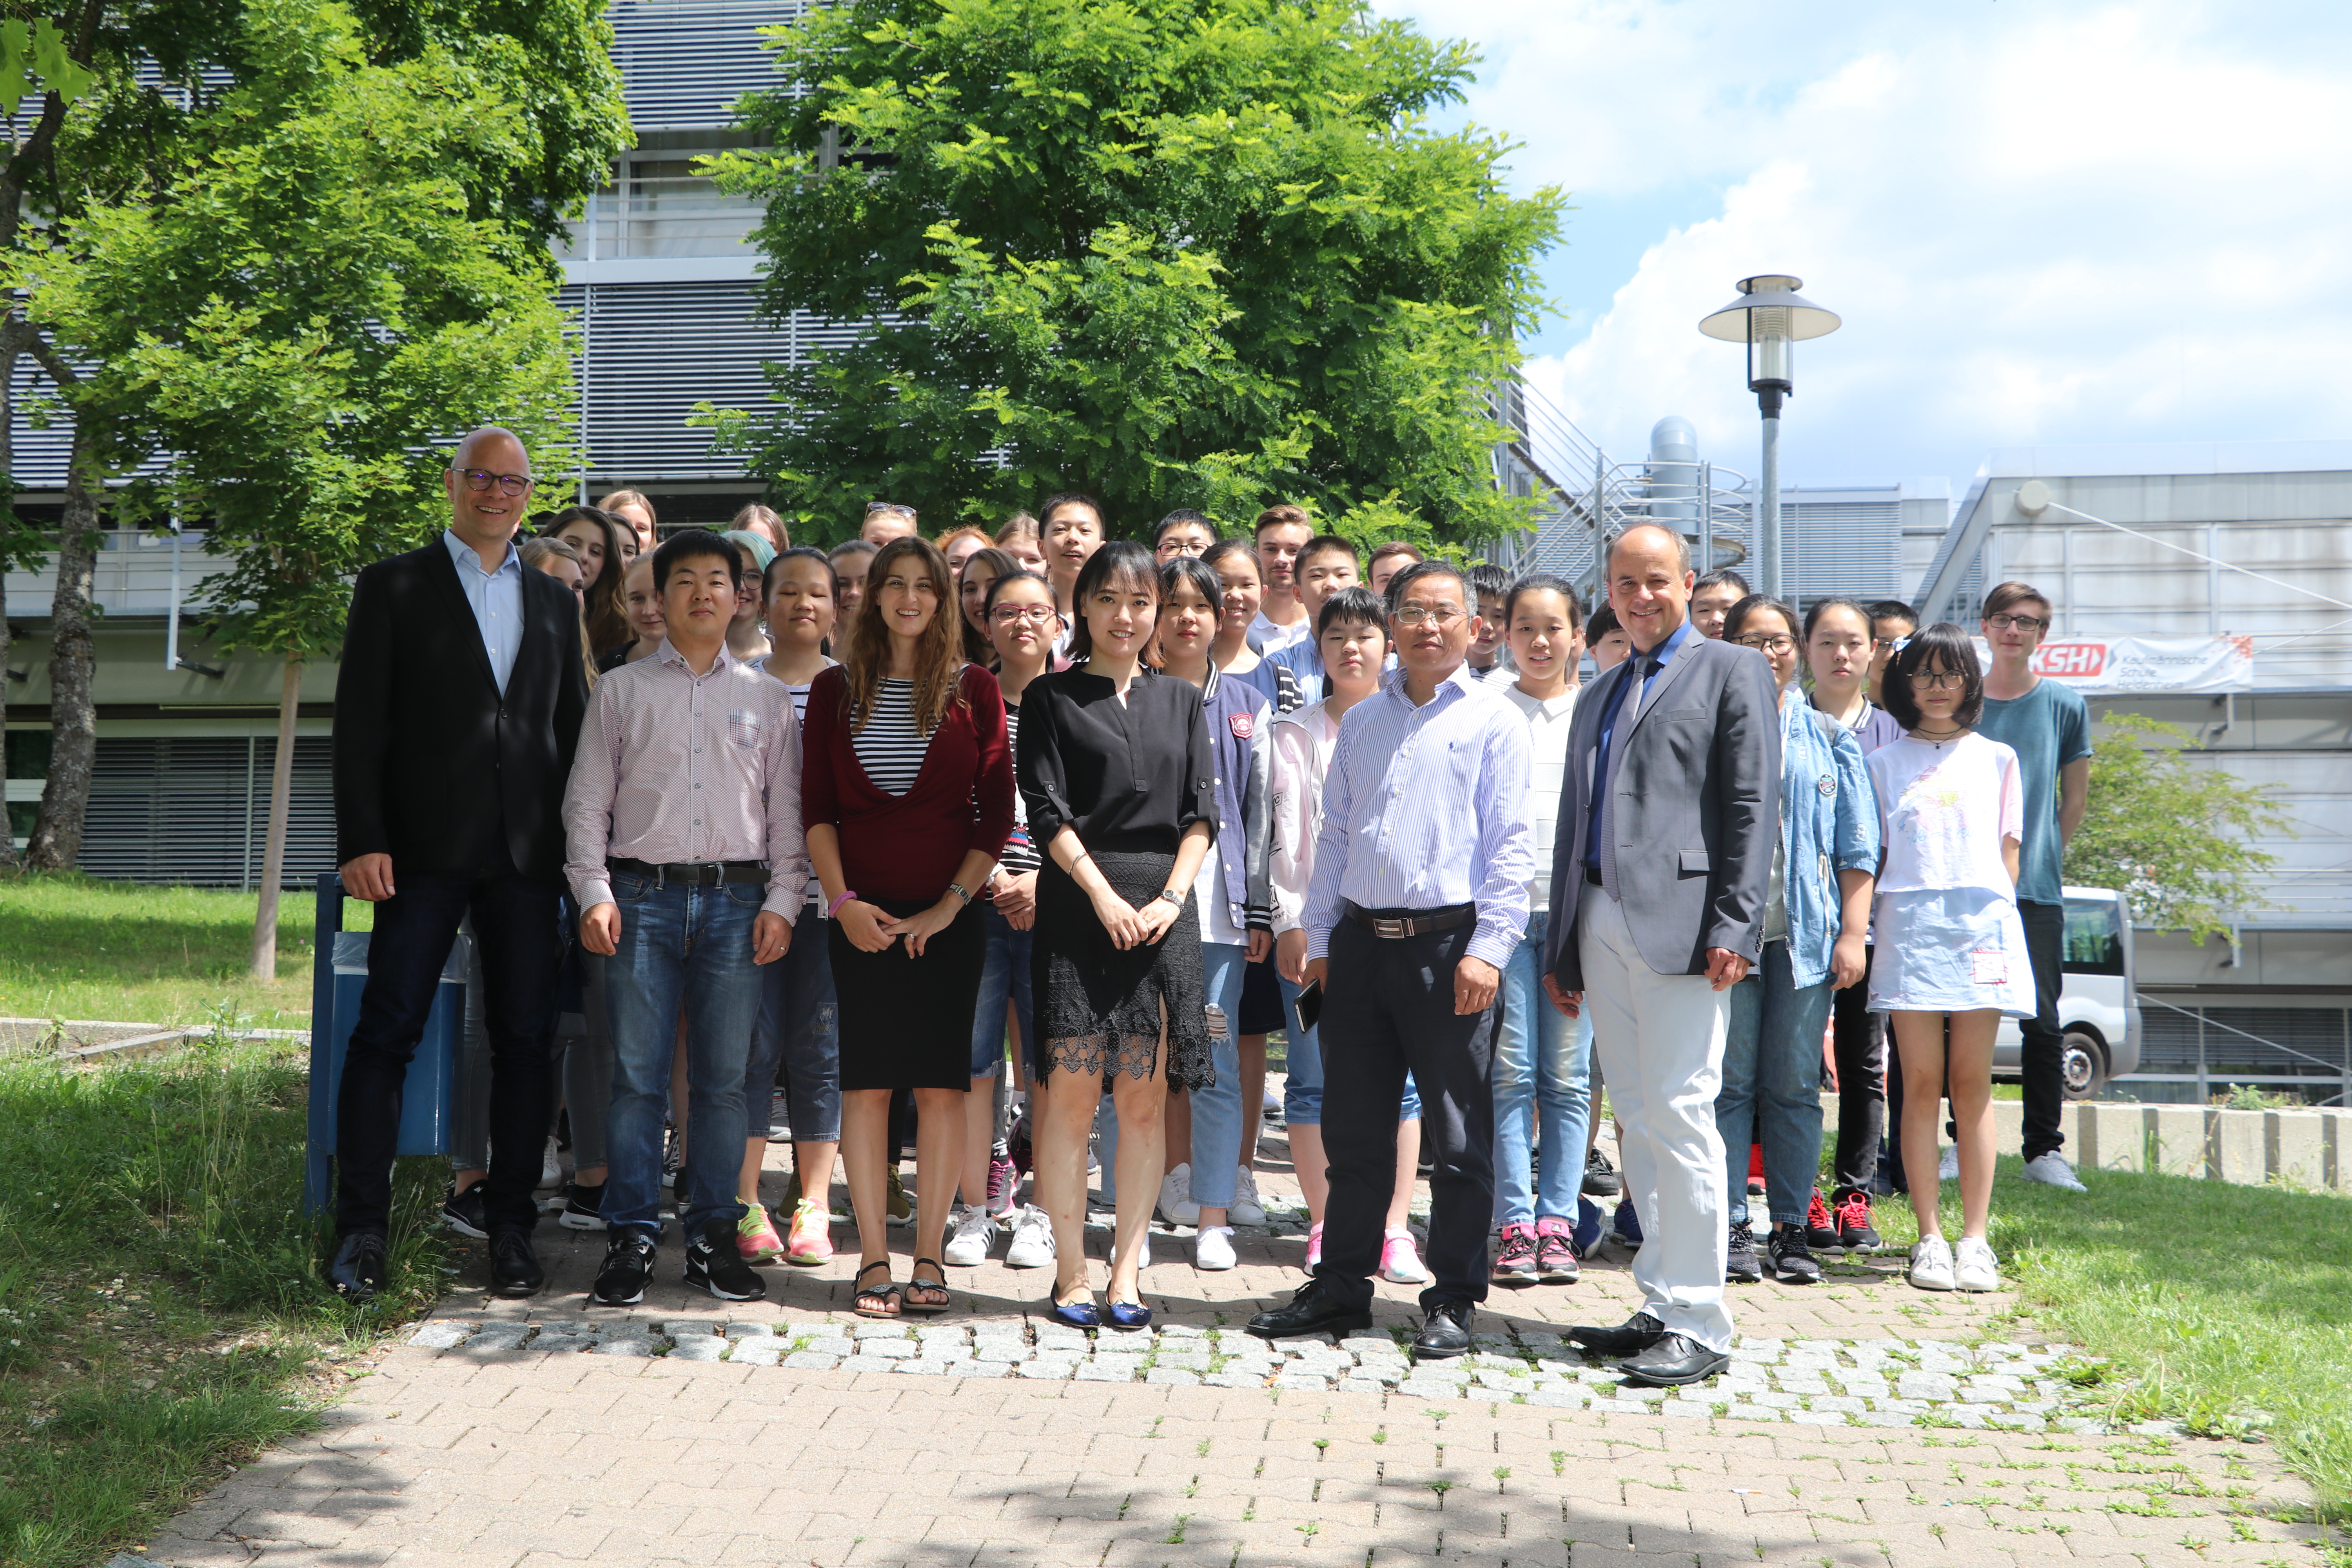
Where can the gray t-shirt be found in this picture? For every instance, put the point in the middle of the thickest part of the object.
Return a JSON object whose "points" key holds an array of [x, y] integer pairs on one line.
{"points": [[2048, 728]]}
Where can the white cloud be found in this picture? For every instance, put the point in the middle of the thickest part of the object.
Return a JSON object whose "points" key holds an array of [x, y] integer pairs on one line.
{"points": [[2041, 224]]}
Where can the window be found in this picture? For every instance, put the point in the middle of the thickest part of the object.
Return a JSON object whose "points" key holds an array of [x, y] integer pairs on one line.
{"points": [[2094, 936]]}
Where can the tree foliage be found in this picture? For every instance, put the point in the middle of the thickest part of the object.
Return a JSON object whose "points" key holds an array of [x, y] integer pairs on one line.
{"points": [[350, 265], [1200, 253], [2175, 838]]}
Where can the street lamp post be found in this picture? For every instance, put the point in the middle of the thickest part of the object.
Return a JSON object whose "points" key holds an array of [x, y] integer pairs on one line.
{"points": [[1769, 316]]}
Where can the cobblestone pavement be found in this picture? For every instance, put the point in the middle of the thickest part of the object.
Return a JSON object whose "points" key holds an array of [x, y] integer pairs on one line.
{"points": [[1862, 1422]]}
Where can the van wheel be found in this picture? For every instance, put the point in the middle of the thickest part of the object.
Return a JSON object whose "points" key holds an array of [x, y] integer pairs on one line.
{"points": [[2083, 1064]]}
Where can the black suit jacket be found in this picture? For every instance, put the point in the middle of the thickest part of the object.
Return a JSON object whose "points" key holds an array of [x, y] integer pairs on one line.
{"points": [[430, 761]]}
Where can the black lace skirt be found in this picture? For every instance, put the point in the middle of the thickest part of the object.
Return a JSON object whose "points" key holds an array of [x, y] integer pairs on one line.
{"points": [[1099, 1008]]}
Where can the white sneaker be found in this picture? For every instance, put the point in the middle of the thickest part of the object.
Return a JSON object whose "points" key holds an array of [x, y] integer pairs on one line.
{"points": [[1143, 1253], [1213, 1247], [1245, 1208], [1947, 1169], [551, 1169], [1974, 1266], [1176, 1205], [2051, 1170], [1033, 1239], [1931, 1264], [975, 1231]]}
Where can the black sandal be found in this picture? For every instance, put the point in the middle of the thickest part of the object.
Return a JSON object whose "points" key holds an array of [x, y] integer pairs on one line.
{"points": [[938, 1281], [891, 1294]]}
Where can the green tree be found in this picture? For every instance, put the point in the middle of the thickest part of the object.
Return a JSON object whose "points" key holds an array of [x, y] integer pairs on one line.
{"points": [[1201, 253], [2175, 838], [339, 280], [496, 115]]}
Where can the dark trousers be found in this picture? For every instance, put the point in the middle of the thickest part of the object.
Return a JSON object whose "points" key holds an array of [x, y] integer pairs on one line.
{"points": [[1389, 1009], [521, 946], [2043, 1057], [1859, 1046]]}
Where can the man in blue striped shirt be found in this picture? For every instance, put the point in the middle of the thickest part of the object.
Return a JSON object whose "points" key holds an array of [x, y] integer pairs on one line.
{"points": [[1418, 898]]}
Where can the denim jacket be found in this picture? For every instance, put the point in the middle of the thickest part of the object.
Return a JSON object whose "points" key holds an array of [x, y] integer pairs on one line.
{"points": [[1828, 823], [1238, 717]]}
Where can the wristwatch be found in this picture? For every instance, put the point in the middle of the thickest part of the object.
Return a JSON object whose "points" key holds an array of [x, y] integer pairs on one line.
{"points": [[1172, 896]]}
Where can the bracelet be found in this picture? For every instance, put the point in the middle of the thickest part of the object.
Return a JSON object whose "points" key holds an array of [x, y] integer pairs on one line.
{"points": [[958, 890], [834, 907]]}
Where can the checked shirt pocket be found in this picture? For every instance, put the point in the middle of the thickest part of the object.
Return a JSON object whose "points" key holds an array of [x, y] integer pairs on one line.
{"points": [[743, 728]]}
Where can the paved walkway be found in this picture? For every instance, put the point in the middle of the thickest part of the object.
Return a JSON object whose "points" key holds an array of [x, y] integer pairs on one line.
{"points": [[1861, 1423]]}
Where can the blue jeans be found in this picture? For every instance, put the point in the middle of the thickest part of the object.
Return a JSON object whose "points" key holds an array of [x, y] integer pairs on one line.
{"points": [[1302, 1071], [796, 1029], [1216, 1152], [1542, 1058], [1004, 977], [1772, 1083], [690, 946]]}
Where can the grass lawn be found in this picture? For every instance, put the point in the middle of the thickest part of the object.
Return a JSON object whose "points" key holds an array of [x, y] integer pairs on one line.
{"points": [[73, 947], [162, 1312], [2215, 1305]]}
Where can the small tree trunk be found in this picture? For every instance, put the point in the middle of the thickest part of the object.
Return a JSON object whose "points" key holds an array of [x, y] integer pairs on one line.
{"points": [[73, 709], [281, 807], [9, 336]]}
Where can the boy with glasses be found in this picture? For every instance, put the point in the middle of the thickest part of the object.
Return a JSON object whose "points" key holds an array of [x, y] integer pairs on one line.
{"points": [[2049, 727]]}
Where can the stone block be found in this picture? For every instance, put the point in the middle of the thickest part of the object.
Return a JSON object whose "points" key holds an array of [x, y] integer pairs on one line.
{"points": [[441, 1336], [763, 1353], [2236, 1140], [2110, 1136], [812, 1360], [699, 1347], [2294, 1148], [2177, 1133], [2008, 1125]]}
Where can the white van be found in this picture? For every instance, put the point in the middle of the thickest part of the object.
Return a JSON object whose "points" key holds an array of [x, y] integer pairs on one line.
{"points": [[2098, 1004]]}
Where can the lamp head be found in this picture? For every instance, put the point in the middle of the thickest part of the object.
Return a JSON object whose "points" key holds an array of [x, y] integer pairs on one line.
{"points": [[1768, 317]]}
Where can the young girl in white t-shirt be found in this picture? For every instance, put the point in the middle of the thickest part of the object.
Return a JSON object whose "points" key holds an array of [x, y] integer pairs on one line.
{"points": [[1950, 946]]}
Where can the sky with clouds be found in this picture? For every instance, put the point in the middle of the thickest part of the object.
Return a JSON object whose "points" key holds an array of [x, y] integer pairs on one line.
{"points": [[2045, 223]]}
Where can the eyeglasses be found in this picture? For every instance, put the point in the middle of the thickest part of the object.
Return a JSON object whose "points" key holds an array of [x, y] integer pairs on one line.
{"points": [[479, 481], [1773, 642], [1006, 614], [2023, 623], [1438, 615], [890, 506], [1937, 680]]}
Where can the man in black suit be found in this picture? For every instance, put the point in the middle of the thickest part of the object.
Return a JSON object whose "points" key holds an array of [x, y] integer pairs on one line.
{"points": [[1669, 810], [460, 697]]}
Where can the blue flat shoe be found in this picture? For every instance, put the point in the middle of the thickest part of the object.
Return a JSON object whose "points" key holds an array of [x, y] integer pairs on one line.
{"points": [[1078, 1314], [1130, 1315]]}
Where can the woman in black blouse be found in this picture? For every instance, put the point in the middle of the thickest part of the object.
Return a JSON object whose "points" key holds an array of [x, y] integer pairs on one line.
{"points": [[1117, 777]]}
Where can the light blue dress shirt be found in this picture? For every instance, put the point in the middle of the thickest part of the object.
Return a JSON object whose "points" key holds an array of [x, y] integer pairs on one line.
{"points": [[497, 599], [1424, 807]]}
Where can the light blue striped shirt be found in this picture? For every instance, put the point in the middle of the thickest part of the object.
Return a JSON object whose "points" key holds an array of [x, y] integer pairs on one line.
{"points": [[497, 599], [1428, 806]]}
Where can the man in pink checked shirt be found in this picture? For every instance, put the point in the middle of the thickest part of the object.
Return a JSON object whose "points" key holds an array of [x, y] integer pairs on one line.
{"points": [[682, 829]]}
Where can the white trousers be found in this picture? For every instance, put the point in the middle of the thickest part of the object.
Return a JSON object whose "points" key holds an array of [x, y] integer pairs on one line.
{"points": [[1660, 1040]]}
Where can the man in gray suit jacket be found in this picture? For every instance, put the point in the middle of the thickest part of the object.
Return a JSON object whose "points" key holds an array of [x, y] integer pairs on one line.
{"points": [[1668, 816]]}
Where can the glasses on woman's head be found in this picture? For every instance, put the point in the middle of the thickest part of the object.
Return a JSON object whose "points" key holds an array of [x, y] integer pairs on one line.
{"points": [[1767, 642], [893, 508], [1013, 615], [479, 481], [1937, 680]]}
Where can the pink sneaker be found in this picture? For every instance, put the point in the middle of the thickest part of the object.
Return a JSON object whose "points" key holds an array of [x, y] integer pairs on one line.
{"points": [[812, 1237], [1400, 1261], [1314, 1245], [755, 1234]]}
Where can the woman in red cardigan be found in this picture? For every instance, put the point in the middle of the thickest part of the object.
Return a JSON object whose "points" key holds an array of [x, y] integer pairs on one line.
{"points": [[907, 796]]}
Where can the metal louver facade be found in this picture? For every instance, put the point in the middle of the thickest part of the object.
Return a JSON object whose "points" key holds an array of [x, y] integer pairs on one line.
{"points": [[687, 61], [195, 809]]}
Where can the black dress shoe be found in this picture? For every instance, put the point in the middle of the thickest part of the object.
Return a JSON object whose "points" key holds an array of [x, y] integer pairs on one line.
{"points": [[1673, 1361], [1313, 1309], [1635, 1335], [514, 1265], [1446, 1333], [358, 1270]]}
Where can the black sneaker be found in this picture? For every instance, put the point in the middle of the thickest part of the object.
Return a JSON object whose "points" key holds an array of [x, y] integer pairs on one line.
{"points": [[1600, 1180], [465, 1211], [673, 1160], [1742, 1268], [712, 1264], [1854, 1232], [1792, 1261], [360, 1265], [1515, 1261], [628, 1263], [581, 1208], [1821, 1230]]}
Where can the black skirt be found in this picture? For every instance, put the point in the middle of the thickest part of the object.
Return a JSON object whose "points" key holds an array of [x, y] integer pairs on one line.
{"points": [[1099, 1007], [906, 1022]]}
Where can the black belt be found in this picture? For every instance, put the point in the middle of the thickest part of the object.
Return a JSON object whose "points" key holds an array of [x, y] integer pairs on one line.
{"points": [[1410, 923], [693, 873]]}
